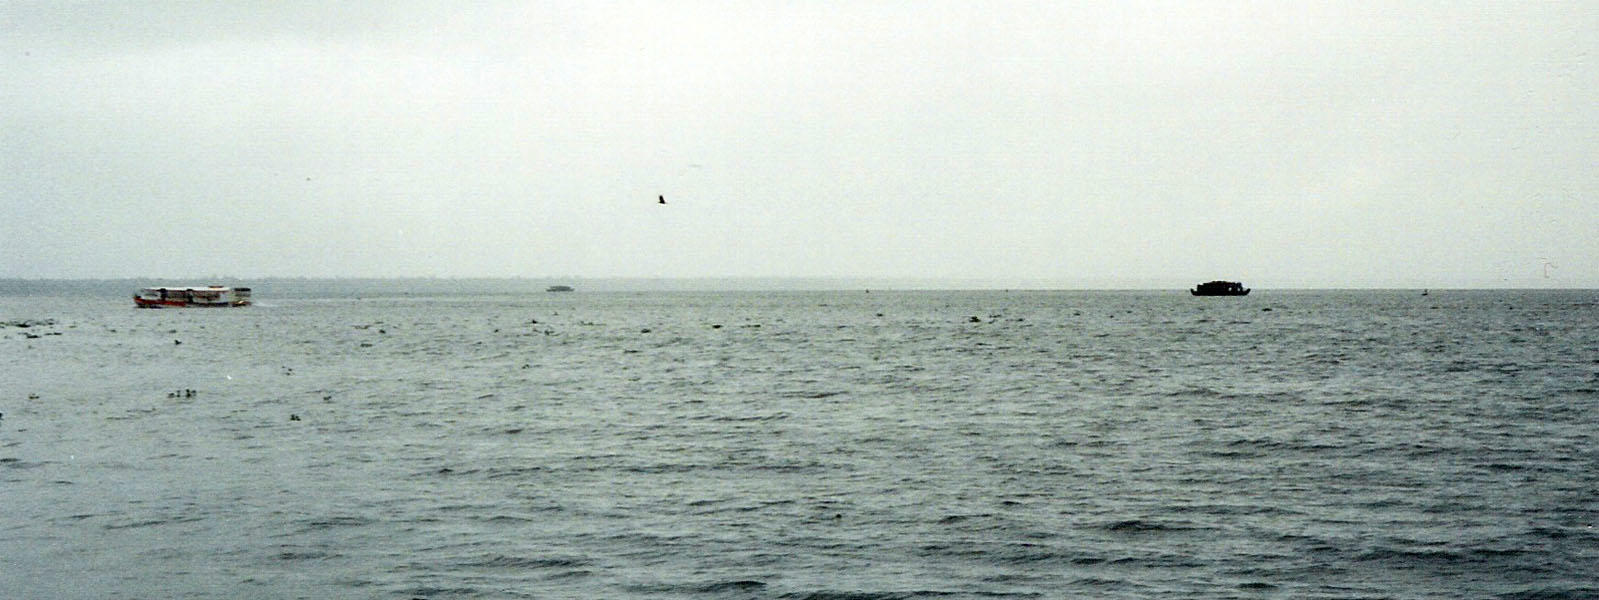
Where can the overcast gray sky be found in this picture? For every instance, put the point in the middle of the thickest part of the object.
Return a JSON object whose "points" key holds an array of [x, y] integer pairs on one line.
{"points": [[1286, 144]]}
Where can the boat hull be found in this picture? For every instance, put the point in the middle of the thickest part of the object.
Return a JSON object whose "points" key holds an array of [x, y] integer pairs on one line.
{"points": [[148, 303], [1199, 293]]}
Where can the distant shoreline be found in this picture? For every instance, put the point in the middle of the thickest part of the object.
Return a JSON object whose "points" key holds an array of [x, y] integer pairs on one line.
{"points": [[432, 286]]}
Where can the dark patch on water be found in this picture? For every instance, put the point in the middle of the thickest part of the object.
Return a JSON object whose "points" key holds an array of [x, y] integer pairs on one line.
{"points": [[864, 595], [735, 586], [741, 585], [338, 522], [150, 523], [501, 561], [1579, 592], [305, 554], [1141, 526], [430, 593], [1104, 583]]}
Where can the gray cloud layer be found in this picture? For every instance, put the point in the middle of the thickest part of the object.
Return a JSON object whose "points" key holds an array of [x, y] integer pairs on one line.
{"points": [[1311, 144]]}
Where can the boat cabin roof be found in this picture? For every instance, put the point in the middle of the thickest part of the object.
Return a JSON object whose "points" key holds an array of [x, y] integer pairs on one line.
{"points": [[190, 288]]}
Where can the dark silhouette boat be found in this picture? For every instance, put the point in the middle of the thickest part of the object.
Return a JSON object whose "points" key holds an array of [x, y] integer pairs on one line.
{"points": [[1220, 288], [558, 288]]}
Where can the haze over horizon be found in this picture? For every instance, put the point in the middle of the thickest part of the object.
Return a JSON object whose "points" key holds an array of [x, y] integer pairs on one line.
{"points": [[1316, 144]]}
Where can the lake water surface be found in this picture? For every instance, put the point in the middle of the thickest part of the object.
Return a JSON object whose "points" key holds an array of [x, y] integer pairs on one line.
{"points": [[804, 445]]}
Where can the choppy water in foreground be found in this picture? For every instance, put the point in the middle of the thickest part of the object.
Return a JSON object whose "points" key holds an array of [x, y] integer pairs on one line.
{"points": [[804, 445]]}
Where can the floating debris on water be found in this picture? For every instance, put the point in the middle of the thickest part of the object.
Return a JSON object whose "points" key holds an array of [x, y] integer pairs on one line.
{"points": [[26, 323]]}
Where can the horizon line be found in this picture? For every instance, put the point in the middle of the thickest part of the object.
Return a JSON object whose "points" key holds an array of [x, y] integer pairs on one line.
{"points": [[820, 283]]}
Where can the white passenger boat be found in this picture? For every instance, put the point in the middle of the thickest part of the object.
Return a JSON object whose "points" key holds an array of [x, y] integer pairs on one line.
{"points": [[178, 297]]}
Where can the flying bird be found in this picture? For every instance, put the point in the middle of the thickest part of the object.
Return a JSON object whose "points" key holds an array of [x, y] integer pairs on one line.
{"points": [[662, 200]]}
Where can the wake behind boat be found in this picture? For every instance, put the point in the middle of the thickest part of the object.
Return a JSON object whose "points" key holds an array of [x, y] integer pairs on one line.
{"points": [[185, 297]]}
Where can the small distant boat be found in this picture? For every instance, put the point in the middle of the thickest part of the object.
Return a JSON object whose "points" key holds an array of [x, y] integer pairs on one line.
{"points": [[187, 297], [1220, 288], [559, 288]]}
